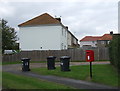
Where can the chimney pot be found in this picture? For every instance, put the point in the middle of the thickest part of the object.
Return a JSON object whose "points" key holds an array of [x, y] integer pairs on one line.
{"points": [[111, 32], [59, 19], [66, 27]]}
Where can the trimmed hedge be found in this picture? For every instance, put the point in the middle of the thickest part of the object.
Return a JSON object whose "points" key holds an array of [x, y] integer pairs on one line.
{"points": [[114, 51]]}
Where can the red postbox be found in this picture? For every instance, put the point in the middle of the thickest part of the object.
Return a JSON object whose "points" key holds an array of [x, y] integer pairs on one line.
{"points": [[89, 55]]}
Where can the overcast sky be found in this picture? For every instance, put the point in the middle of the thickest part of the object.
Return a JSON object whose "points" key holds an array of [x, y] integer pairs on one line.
{"points": [[83, 17]]}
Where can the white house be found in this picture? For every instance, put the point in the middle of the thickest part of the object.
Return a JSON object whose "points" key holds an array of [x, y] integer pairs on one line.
{"points": [[44, 33], [89, 41], [96, 41]]}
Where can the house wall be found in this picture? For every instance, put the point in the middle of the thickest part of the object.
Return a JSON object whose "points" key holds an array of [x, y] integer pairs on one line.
{"points": [[75, 41], [41, 38], [69, 39], [88, 43], [119, 17], [103, 43], [63, 38]]}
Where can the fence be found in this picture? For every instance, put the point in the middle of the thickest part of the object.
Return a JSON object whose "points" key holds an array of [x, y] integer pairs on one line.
{"points": [[75, 54]]}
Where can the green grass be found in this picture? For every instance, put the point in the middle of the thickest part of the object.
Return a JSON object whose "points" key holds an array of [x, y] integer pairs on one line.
{"points": [[19, 62], [12, 81], [104, 74], [6, 63]]}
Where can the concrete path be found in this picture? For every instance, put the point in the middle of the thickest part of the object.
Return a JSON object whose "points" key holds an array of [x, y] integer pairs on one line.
{"points": [[79, 84]]}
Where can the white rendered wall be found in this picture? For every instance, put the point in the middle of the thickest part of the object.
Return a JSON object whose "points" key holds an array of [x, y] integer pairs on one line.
{"points": [[93, 44], [69, 38], [40, 38], [119, 17], [63, 38], [75, 41]]}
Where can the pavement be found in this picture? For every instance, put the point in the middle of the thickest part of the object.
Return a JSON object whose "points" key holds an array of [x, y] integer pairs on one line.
{"points": [[38, 65], [79, 84]]}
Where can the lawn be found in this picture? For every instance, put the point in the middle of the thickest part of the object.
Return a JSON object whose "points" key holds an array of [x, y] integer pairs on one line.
{"points": [[12, 81], [19, 62], [104, 74]]}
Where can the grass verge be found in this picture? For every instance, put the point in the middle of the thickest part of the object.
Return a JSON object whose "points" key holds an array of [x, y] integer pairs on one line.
{"points": [[12, 81], [104, 74], [19, 62]]}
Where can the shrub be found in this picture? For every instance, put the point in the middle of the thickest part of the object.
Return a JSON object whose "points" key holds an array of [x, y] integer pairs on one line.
{"points": [[114, 51]]}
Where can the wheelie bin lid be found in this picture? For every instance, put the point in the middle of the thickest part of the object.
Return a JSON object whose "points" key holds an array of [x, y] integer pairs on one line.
{"points": [[51, 57], [65, 57], [23, 59]]}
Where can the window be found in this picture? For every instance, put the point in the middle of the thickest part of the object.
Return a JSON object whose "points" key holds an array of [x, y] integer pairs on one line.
{"points": [[108, 42], [102, 42], [65, 47]]}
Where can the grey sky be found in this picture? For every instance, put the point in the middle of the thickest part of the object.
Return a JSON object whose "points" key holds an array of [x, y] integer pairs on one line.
{"points": [[84, 18]]}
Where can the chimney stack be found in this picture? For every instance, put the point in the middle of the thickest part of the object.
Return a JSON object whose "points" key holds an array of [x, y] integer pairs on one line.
{"points": [[111, 32], [66, 27], [59, 19]]}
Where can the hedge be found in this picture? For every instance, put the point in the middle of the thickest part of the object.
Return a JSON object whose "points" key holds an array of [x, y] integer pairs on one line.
{"points": [[114, 51]]}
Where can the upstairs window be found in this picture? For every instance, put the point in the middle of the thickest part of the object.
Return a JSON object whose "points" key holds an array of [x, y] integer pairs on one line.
{"points": [[65, 47], [93, 41], [108, 42], [102, 42]]}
